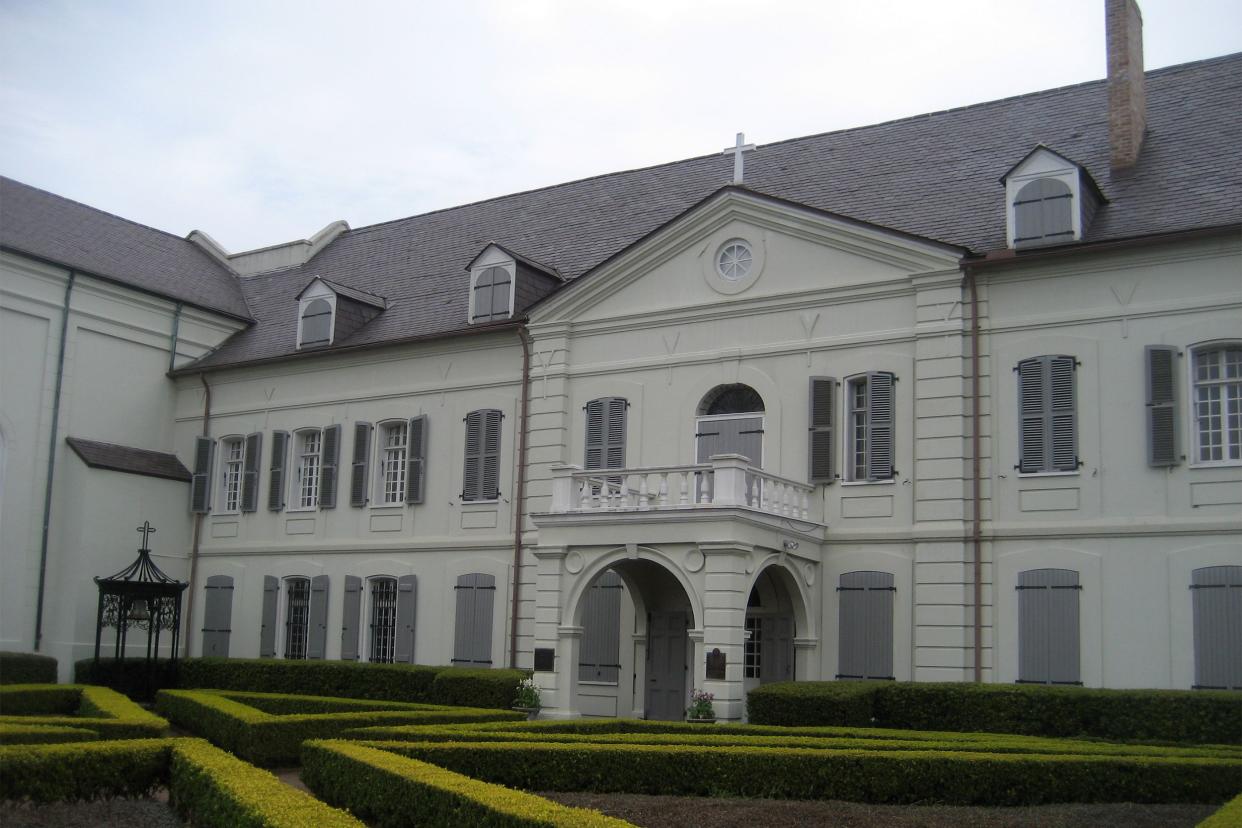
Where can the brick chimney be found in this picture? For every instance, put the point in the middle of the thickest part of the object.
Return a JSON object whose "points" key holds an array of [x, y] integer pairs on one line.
{"points": [[1127, 94]]}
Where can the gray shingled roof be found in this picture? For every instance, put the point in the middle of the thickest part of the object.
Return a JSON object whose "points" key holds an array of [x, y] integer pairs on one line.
{"points": [[129, 460], [55, 229]]}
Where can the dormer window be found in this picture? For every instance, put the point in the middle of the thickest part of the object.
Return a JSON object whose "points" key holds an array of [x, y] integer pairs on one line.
{"points": [[1049, 200], [330, 312], [315, 324], [491, 294]]}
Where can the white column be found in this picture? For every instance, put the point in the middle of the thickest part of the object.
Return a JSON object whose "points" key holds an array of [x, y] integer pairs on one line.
{"points": [[726, 589], [564, 496]]}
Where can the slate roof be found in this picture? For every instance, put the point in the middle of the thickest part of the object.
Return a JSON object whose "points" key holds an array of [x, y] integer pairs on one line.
{"points": [[130, 460], [55, 229]]}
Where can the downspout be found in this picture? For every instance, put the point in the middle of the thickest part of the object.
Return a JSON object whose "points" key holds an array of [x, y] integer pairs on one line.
{"points": [[519, 497], [198, 528], [51, 461], [172, 339], [976, 477]]}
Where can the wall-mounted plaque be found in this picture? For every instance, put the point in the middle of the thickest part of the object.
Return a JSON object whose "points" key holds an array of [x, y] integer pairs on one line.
{"points": [[716, 665], [545, 659]]}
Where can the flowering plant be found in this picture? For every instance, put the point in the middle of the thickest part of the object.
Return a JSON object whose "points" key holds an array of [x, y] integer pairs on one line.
{"points": [[527, 694], [701, 705]]}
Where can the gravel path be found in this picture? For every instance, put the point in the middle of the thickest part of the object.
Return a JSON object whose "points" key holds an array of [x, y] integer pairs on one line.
{"points": [[116, 813]]}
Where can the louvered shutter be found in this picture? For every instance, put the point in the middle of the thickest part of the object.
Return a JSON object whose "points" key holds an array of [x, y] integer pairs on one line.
{"points": [[317, 619], [267, 631], [600, 651], [1048, 635], [360, 473], [490, 472], [276, 471], [200, 483], [1047, 408], [407, 598], [1042, 211], [1032, 439], [1161, 379], [472, 476], [865, 625], [1063, 415], [416, 457], [217, 616], [822, 420], [879, 425], [472, 635], [331, 461], [250, 472], [1216, 600], [349, 618], [605, 433]]}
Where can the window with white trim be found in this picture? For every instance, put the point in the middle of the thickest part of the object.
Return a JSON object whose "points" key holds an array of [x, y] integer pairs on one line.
{"points": [[315, 322], [392, 463], [869, 427], [297, 616], [307, 450], [232, 458], [752, 651], [383, 620], [1047, 415], [491, 294], [1216, 402]]}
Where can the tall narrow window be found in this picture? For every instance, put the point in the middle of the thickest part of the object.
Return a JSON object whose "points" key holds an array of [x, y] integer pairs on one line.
{"points": [[1048, 416], [481, 478], [1218, 403], [297, 616], [394, 438], [752, 652], [490, 297], [232, 457], [308, 445], [383, 619], [472, 636], [315, 325], [599, 658], [1048, 637], [869, 438], [865, 625], [1216, 596]]}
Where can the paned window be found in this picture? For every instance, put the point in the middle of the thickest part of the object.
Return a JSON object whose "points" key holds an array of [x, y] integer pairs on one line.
{"points": [[752, 652], [491, 295], [869, 436], [392, 462], [232, 456], [1217, 403], [383, 619], [308, 444], [297, 616]]}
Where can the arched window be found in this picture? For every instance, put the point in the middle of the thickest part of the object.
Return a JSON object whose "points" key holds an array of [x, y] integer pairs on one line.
{"points": [[315, 325], [1043, 213], [730, 421], [731, 399]]}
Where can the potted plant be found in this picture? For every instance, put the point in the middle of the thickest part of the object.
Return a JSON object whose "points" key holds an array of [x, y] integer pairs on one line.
{"points": [[701, 710], [527, 700]]}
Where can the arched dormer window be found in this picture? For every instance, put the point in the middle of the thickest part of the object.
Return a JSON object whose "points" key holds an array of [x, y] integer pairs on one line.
{"points": [[315, 323], [1043, 213], [491, 296]]}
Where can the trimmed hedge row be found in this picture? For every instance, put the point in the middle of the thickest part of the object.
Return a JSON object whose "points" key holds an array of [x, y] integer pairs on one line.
{"points": [[37, 734], [1140, 715], [705, 737], [233, 722], [26, 668], [905, 777], [389, 790], [456, 686], [205, 783], [1229, 815], [104, 711]]}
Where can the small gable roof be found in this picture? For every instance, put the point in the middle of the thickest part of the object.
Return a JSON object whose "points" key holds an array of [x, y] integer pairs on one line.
{"points": [[1085, 173], [130, 460], [517, 257], [348, 292]]}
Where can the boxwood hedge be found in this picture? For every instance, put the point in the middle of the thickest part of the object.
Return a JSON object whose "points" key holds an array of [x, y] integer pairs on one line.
{"points": [[39, 734], [1228, 816], [26, 668], [1137, 715], [104, 711], [389, 790]]}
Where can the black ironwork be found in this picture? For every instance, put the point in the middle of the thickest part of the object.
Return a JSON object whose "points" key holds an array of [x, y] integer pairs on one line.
{"points": [[140, 596]]}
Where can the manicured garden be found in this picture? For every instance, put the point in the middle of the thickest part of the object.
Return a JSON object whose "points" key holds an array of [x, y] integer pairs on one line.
{"points": [[387, 745]]}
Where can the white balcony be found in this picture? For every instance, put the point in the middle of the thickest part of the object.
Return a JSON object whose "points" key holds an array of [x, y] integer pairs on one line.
{"points": [[725, 481]]}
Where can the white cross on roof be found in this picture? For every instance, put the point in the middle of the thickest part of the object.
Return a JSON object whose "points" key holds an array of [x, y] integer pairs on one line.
{"points": [[736, 151]]}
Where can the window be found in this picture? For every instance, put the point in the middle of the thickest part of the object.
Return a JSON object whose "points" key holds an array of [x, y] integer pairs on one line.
{"points": [[1216, 404], [1043, 213], [472, 641], [605, 433], [869, 433], [392, 462], [297, 616], [752, 653], [481, 479], [1047, 411], [315, 323], [1216, 595], [1048, 626], [383, 620], [307, 448], [491, 296], [217, 616], [865, 628], [232, 453], [734, 260]]}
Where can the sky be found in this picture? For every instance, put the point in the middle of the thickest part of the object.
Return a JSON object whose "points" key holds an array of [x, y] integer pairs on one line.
{"points": [[260, 122]]}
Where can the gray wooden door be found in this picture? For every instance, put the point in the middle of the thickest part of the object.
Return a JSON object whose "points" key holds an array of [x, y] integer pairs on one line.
{"points": [[666, 666], [730, 435], [1217, 604], [217, 616], [777, 649], [1048, 634]]}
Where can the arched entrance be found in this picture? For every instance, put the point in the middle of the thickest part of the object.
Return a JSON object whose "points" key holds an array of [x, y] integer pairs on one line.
{"points": [[768, 652]]}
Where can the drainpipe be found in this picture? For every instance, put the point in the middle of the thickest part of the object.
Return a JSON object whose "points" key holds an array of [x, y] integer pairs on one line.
{"points": [[51, 461], [198, 528], [172, 340], [520, 494], [976, 477]]}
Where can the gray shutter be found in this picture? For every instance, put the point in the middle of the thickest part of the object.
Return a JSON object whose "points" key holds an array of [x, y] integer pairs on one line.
{"points": [[472, 475], [200, 483], [472, 635], [1043, 211], [317, 624], [1063, 415], [879, 425], [250, 472], [361, 472], [601, 630], [217, 616], [267, 632], [1216, 598], [276, 471], [593, 454], [331, 461], [1048, 634], [407, 598], [605, 433], [865, 624], [1161, 379], [349, 618], [490, 472], [416, 457], [1032, 438], [822, 416]]}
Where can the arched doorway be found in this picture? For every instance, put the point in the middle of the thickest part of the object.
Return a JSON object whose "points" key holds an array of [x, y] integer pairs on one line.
{"points": [[771, 626]]}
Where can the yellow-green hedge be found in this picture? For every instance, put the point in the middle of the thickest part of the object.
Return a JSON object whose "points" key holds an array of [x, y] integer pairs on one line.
{"points": [[86, 770], [1229, 815], [391, 790], [40, 734], [104, 711]]}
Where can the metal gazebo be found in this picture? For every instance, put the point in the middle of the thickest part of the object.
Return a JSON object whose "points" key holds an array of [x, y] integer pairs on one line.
{"points": [[142, 596]]}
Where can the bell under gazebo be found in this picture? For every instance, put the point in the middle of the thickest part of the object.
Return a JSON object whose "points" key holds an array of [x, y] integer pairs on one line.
{"points": [[140, 596]]}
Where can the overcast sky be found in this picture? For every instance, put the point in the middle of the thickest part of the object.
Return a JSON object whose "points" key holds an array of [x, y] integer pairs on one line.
{"points": [[260, 122]]}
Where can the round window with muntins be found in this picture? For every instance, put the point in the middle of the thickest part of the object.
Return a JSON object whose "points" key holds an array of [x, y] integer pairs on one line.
{"points": [[734, 260]]}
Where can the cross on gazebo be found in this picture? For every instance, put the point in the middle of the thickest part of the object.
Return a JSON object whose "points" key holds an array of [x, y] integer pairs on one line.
{"points": [[146, 529], [736, 151]]}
